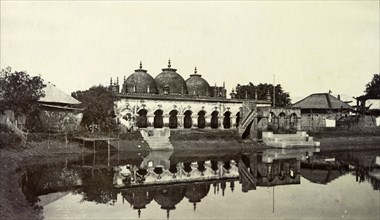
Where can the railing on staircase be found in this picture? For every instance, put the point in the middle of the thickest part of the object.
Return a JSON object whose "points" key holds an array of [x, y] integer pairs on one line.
{"points": [[247, 120]]}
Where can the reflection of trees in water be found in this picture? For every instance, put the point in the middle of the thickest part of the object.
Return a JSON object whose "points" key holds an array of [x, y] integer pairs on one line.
{"points": [[44, 179], [98, 186], [30, 185], [363, 174]]}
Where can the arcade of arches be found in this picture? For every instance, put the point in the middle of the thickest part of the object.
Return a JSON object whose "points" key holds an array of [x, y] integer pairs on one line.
{"points": [[178, 114]]}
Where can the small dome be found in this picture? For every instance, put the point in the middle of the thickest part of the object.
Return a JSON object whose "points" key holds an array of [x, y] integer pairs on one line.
{"points": [[170, 82], [140, 82], [196, 85]]}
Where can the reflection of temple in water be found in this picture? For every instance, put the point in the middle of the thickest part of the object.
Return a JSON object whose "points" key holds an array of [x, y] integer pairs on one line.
{"points": [[168, 178]]}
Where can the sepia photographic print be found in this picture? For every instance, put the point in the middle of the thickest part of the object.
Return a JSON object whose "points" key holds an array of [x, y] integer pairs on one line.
{"points": [[190, 109]]}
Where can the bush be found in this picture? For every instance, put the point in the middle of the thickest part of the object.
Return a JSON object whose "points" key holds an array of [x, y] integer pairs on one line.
{"points": [[5, 129], [9, 140], [199, 134]]}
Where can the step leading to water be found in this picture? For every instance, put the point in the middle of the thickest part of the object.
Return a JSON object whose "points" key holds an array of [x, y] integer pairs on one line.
{"points": [[300, 139], [157, 138]]}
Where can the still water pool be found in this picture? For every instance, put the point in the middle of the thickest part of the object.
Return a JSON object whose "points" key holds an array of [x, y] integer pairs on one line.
{"points": [[291, 184]]}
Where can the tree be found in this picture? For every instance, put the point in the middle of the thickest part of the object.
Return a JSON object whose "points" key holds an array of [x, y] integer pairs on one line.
{"points": [[249, 91], [98, 104], [20, 92], [373, 88]]}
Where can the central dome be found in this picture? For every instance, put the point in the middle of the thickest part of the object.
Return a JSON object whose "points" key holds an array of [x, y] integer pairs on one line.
{"points": [[140, 82], [170, 82], [197, 86]]}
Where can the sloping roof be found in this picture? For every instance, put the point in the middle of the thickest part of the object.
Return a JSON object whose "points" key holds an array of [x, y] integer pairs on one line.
{"points": [[321, 101], [53, 94], [321, 176]]}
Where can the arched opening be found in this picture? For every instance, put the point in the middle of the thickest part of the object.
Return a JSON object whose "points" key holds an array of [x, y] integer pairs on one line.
{"points": [[142, 121], [293, 121], [187, 123], [214, 119], [187, 168], [201, 119], [271, 119], [201, 167], [158, 120], [237, 119], [173, 121], [227, 120], [281, 121], [214, 166]]}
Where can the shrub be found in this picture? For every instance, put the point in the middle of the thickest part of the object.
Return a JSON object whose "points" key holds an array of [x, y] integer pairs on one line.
{"points": [[9, 140], [5, 129]]}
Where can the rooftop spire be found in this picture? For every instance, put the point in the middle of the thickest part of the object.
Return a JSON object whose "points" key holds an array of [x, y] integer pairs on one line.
{"points": [[111, 81], [195, 70], [169, 64], [140, 64]]}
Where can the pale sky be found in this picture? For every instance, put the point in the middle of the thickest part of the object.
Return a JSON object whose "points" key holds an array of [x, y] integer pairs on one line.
{"points": [[310, 46]]}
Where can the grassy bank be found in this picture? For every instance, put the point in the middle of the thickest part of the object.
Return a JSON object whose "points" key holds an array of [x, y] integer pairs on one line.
{"points": [[204, 134]]}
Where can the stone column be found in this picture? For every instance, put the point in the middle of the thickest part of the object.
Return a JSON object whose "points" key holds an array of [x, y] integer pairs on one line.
{"points": [[233, 121], [287, 123], [220, 121], [298, 125], [194, 121], [275, 123], [150, 118], [180, 118], [165, 119], [208, 121]]}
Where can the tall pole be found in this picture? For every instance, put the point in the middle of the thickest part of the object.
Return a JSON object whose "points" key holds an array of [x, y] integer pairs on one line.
{"points": [[274, 90], [273, 199]]}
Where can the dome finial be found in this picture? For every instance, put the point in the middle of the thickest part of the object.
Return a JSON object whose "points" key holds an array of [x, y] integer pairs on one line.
{"points": [[169, 65], [195, 70], [140, 64]]}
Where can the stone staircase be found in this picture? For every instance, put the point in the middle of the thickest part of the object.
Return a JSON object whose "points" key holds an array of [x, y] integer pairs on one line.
{"points": [[157, 138], [301, 154], [246, 121], [300, 139]]}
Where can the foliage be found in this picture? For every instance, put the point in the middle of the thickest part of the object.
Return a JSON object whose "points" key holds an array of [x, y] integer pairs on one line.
{"points": [[373, 88], [248, 91], [98, 187], [5, 129], [9, 140], [19, 91], [98, 104]]}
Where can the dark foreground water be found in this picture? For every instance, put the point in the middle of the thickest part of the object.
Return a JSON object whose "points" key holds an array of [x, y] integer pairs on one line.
{"points": [[208, 184]]}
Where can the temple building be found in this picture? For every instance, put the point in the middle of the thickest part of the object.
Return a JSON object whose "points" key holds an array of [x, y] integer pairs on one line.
{"points": [[168, 100]]}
